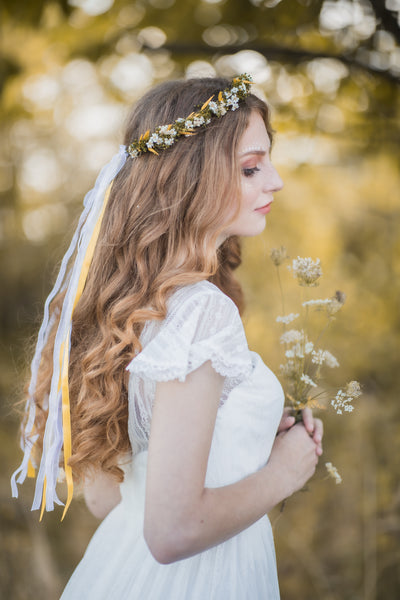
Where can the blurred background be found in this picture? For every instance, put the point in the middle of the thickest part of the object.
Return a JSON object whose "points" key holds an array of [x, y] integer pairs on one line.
{"points": [[330, 70]]}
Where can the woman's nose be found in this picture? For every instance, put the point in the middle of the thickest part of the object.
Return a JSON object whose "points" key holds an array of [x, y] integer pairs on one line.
{"points": [[273, 181]]}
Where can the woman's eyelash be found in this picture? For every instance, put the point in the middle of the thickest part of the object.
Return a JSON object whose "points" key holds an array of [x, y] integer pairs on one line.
{"points": [[249, 171]]}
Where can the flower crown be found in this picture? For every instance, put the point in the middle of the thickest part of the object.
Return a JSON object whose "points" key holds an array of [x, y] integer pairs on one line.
{"points": [[165, 136]]}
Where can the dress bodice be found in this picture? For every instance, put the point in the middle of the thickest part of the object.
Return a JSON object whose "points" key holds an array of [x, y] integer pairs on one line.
{"points": [[202, 324]]}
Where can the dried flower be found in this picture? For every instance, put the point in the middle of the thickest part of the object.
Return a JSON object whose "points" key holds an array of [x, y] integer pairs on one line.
{"points": [[332, 305], [330, 360], [333, 472], [307, 380], [303, 365], [278, 255], [343, 399], [292, 336], [299, 350], [287, 319], [353, 389], [340, 296], [288, 369], [317, 303], [320, 357], [307, 271]]}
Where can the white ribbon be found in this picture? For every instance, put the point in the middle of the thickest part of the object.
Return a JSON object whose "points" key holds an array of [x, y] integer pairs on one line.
{"points": [[53, 434]]}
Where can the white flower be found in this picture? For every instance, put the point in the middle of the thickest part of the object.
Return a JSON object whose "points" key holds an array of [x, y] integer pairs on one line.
{"points": [[213, 106], [234, 90], [333, 472], [288, 369], [342, 400], [331, 360], [292, 336], [154, 139], [233, 100], [308, 347], [307, 271], [317, 302], [168, 141], [331, 304], [180, 120], [164, 130], [307, 380], [287, 319], [295, 352], [198, 121], [319, 357], [189, 124]]}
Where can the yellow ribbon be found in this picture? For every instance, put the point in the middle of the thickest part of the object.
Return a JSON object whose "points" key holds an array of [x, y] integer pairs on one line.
{"points": [[31, 469], [64, 364]]}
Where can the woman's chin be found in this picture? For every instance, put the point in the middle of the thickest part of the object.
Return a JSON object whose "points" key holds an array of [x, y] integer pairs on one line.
{"points": [[254, 230]]}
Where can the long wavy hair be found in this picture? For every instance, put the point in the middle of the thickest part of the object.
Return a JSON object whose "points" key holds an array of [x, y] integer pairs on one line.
{"points": [[159, 231]]}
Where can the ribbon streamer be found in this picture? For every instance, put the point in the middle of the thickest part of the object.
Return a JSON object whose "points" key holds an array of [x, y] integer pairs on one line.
{"points": [[57, 432]]}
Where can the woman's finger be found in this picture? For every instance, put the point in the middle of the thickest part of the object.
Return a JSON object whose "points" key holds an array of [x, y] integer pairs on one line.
{"points": [[318, 430], [308, 420], [287, 422]]}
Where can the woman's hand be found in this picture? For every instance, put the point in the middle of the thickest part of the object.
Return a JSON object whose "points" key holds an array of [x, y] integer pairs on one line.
{"points": [[294, 456], [287, 421], [314, 427]]}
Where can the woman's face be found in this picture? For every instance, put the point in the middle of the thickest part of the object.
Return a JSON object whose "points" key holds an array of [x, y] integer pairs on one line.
{"points": [[259, 180]]}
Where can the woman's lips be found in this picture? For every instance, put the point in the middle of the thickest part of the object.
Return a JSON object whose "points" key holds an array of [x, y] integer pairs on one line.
{"points": [[264, 209]]}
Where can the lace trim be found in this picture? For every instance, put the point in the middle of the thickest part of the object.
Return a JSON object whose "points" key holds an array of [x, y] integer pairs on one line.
{"points": [[151, 369]]}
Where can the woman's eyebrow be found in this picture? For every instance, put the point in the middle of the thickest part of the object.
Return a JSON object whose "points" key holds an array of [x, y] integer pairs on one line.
{"points": [[256, 150]]}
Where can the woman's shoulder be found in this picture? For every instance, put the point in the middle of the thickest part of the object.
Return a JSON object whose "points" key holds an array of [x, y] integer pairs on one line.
{"points": [[196, 311], [201, 293], [202, 323]]}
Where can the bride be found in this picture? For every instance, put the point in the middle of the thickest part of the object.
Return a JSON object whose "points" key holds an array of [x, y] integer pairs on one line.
{"points": [[142, 378]]}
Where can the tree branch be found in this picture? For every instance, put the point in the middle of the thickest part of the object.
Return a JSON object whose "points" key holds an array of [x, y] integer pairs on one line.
{"points": [[290, 55], [387, 18]]}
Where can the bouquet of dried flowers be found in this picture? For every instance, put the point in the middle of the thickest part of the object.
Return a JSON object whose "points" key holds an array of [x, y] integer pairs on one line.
{"points": [[305, 359]]}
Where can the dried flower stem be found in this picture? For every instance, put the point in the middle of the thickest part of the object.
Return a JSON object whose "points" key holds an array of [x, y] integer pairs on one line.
{"points": [[281, 291]]}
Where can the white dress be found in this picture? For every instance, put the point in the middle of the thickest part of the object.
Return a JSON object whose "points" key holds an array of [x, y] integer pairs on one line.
{"points": [[202, 324]]}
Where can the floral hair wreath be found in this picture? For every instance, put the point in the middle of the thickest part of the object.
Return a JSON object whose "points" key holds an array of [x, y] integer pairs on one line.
{"points": [[165, 136]]}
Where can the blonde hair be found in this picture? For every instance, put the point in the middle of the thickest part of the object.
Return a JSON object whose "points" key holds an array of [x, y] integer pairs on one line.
{"points": [[159, 231]]}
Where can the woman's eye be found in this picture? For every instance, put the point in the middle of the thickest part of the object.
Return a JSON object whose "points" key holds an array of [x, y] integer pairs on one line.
{"points": [[249, 171]]}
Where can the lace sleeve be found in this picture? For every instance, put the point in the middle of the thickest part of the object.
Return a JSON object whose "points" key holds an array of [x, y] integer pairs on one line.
{"points": [[202, 324]]}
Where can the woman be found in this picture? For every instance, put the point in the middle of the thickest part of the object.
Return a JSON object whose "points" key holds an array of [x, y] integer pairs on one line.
{"points": [[163, 391]]}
